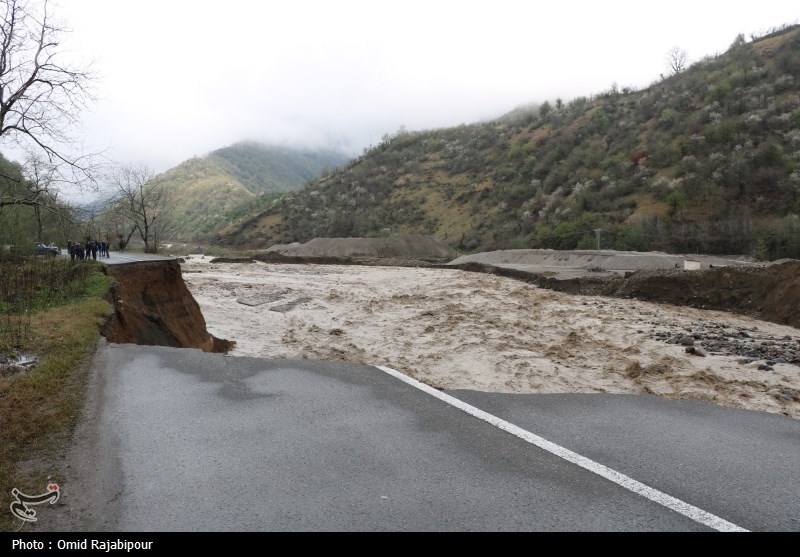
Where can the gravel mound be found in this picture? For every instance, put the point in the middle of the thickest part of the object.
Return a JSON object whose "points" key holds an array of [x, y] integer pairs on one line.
{"points": [[424, 248]]}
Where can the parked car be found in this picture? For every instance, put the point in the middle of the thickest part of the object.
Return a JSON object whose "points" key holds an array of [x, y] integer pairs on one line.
{"points": [[42, 249]]}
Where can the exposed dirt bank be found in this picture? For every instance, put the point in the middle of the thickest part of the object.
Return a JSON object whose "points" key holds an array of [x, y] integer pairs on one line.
{"points": [[152, 306]]}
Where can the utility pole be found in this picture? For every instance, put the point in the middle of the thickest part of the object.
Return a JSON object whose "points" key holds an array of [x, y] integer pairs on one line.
{"points": [[597, 235]]}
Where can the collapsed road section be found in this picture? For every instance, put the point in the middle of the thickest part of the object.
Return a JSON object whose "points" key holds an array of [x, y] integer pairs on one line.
{"points": [[153, 306]]}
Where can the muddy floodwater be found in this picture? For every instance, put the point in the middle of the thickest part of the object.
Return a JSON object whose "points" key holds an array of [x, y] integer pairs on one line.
{"points": [[455, 329]]}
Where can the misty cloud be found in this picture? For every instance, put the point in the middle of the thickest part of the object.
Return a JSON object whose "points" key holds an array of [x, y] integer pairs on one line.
{"points": [[183, 78]]}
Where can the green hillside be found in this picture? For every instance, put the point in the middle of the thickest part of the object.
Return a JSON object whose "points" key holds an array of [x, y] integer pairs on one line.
{"points": [[274, 169], [707, 159], [213, 191]]}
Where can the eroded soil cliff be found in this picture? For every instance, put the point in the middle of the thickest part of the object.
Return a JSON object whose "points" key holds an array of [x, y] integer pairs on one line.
{"points": [[152, 306]]}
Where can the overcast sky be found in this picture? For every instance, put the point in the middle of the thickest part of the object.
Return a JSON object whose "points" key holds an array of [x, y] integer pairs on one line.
{"points": [[180, 78]]}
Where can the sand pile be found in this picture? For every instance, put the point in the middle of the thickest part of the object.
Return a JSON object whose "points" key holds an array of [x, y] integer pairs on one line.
{"points": [[423, 248]]}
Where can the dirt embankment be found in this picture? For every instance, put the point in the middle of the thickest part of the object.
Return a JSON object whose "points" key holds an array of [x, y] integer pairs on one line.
{"points": [[771, 293], [410, 246], [275, 257], [153, 306]]}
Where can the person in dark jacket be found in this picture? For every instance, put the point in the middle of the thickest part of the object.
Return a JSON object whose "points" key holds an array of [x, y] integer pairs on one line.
{"points": [[94, 247]]}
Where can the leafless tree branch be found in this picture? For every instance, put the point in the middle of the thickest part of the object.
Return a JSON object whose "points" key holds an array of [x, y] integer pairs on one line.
{"points": [[42, 96], [677, 60]]}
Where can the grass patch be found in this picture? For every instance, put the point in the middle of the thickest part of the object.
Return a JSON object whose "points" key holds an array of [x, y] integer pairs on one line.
{"points": [[33, 284], [40, 408]]}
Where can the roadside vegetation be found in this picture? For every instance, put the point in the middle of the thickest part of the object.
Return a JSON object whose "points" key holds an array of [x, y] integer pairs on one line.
{"points": [[51, 313]]}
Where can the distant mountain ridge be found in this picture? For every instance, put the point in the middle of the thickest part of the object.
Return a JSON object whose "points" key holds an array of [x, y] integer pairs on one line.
{"points": [[706, 159], [271, 169], [213, 191]]}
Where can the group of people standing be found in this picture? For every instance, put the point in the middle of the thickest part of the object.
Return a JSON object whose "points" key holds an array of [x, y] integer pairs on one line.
{"points": [[90, 250]]}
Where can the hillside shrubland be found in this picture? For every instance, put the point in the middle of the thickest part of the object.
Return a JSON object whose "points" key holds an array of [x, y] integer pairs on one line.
{"points": [[704, 160]]}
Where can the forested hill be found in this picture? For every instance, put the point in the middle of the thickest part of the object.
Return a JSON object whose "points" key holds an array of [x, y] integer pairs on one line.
{"points": [[707, 159], [272, 169], [211, 192]]}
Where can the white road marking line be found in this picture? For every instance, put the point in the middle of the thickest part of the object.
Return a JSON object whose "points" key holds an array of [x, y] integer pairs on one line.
{"points": [[696, 514]]}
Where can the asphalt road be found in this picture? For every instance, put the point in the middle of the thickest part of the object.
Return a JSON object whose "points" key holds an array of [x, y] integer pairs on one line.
{"points": [[181, 440]]}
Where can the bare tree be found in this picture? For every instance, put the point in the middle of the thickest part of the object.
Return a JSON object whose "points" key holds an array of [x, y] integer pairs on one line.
{"points": [[677, 60], [141, 203], [41, 96]]}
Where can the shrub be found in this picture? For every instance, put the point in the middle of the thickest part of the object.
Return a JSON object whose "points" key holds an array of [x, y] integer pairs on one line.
{"points": [[631, 237], [770, 155], [675, 201]]}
